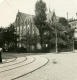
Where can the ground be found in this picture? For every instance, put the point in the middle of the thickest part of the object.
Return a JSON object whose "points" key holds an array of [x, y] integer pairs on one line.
{"points": [[61, 66]]}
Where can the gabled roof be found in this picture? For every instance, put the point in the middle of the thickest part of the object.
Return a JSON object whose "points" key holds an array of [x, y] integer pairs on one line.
{"points": [[24, 17], [29, 18]]}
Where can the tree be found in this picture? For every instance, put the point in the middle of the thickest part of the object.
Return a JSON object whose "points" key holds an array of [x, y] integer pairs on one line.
{"points": [[10, 36], [1, 37], [67, 28], [30, 40], [57, 35], [40, 17], [62, 35], [63, 21]]}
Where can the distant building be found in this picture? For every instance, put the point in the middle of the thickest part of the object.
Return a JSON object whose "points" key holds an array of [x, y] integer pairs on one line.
{"points": [[73, 24]]}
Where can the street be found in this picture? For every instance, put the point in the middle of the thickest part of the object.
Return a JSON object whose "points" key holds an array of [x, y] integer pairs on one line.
{"points": [[50, 66], [60, 67]]}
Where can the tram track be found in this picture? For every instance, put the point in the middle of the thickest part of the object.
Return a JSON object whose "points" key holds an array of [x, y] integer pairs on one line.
{"points": [[32, 70], [13, 62], [16, 66], [24, 69], [13, 57]]}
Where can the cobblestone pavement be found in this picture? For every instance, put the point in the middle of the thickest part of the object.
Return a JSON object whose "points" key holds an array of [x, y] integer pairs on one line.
{"points": [[60, 67]]}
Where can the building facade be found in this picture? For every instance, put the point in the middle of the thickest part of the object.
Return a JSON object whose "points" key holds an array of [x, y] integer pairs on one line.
{"points": [[73, 24], [25, 24]]}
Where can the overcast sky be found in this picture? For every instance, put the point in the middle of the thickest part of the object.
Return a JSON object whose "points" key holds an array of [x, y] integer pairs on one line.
{"points": [[9, 8]]}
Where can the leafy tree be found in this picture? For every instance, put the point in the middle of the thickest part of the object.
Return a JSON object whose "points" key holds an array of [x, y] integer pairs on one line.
{"points": [[10, 36], [67, 28], [40, 17], [63, 21], [63, 31], [1, 37], [30, 40], [57, 35]]}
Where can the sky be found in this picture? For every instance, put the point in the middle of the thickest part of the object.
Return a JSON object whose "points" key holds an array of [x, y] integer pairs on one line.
{"points": [[9, 9]]}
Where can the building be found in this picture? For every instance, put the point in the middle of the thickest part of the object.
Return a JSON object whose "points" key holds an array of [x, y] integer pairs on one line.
{"points": [[25, 23], [73, 24]]}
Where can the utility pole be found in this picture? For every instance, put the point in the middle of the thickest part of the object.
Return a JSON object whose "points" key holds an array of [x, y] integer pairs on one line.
{"points": [[73, 44], [19, 45], [56, 41], [56, 33]]}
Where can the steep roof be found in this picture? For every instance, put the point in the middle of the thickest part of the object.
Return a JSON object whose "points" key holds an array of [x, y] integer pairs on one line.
{"points": [[29, 18], [24, 17]]}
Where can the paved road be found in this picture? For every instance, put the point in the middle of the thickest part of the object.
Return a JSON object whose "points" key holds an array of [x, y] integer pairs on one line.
{"points": [[21, 66], [60, 67]]}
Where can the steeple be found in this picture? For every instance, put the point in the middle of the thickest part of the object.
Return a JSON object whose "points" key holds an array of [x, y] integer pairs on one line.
{"points": [[49, 10], [49, 6], [54, 17]]}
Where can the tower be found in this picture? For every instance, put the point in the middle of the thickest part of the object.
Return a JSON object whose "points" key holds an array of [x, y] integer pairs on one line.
{"points": [[67, 15]]}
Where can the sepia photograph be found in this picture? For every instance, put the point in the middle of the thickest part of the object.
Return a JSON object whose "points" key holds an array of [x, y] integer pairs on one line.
{"points": [[38, 40]]}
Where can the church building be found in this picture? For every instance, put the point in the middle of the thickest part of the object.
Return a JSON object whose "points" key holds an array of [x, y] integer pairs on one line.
{"points": [[25, 23]]}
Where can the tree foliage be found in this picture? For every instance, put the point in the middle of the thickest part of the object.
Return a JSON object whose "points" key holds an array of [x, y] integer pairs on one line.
{"points": [[8, 37], [10, 34], [30, 40], [1, 37], [63, 21], [40, 13], [64, 33], [40, 18]]}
